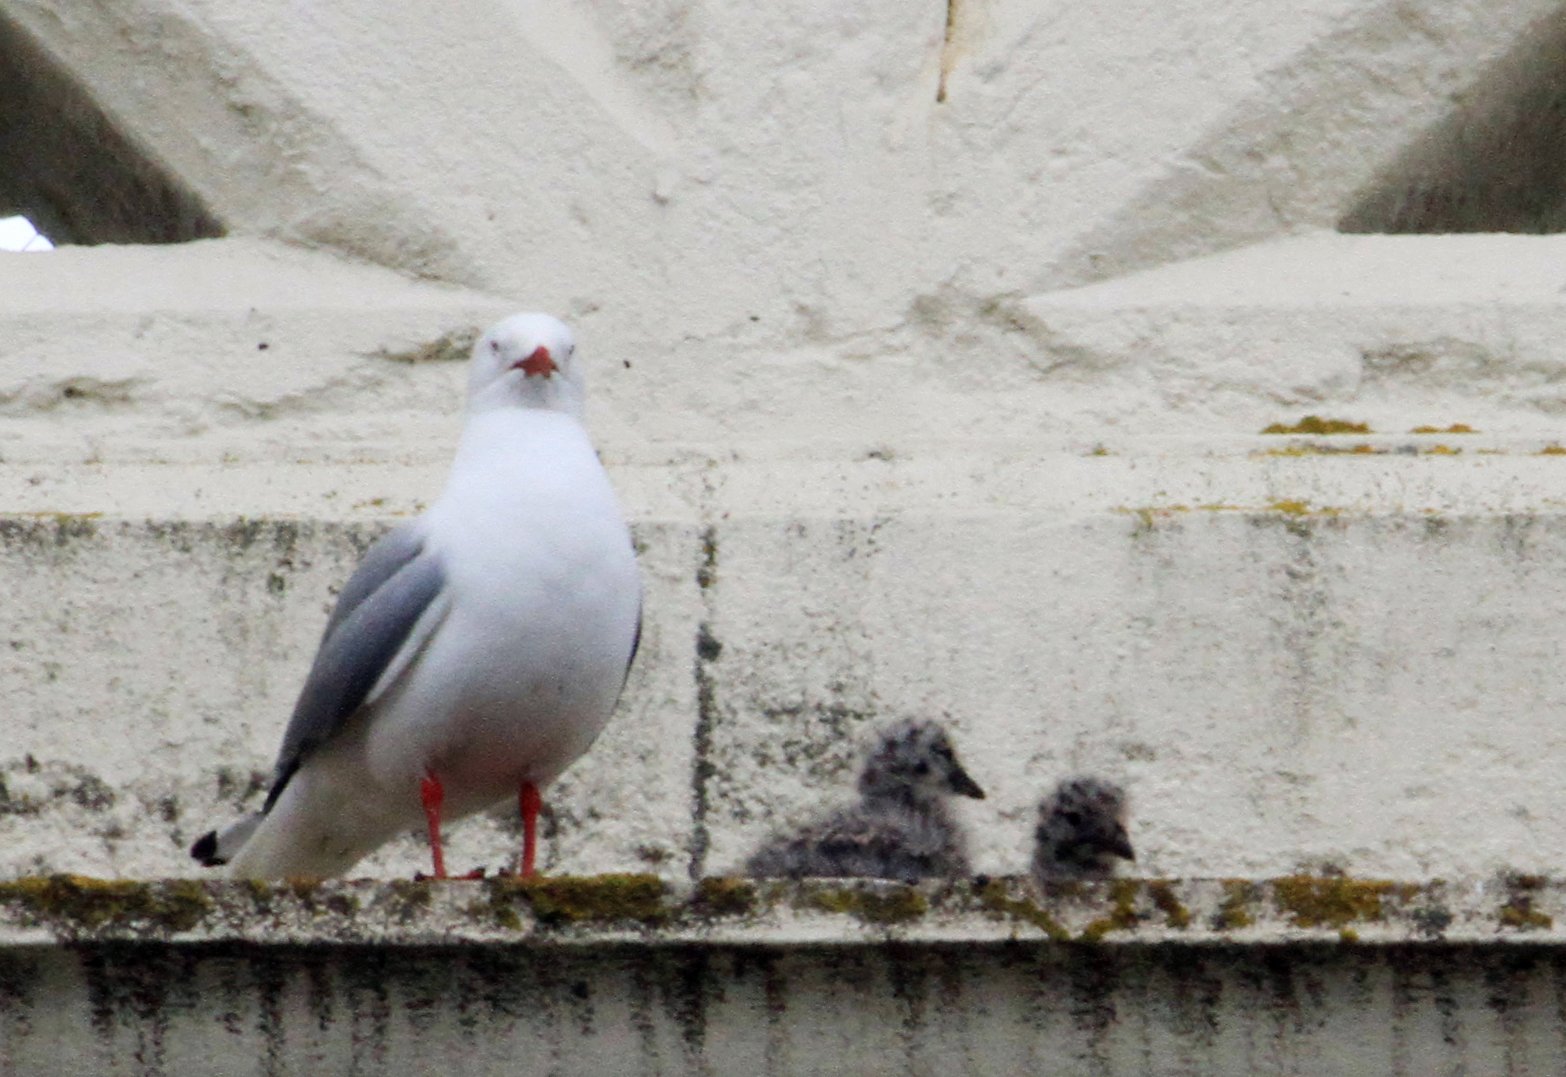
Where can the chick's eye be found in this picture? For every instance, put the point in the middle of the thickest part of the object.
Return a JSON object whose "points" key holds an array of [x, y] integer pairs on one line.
{"points": [[921, 767]]}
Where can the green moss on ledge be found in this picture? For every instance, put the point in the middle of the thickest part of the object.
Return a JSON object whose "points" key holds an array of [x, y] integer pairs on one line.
{"points": [[569, 899], [76, 902], [995, 899], [1316, 449], [1234, 911], [1122, 915], [716, 896], [409, 898], [1518, 912], [315, 896], [1176, 915], [894, 905], [1330, 901]]}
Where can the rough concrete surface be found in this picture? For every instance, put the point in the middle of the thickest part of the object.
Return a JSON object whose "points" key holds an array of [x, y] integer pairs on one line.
{"points": [[609, 976], [739, 181], [244, 350], [1223, 632], [808, 1010]]}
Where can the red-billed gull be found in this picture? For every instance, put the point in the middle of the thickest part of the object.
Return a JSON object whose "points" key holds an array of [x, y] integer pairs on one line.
{"points": [[477, 650]]}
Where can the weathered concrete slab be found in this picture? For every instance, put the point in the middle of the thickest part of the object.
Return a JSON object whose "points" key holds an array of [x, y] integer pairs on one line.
{"points": [[1297, 654], [1402, 330], [805, 172], [1165, 978], [247, 352]]}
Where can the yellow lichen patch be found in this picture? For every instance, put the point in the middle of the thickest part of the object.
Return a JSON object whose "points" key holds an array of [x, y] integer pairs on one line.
{"points": [[570, 899], [1176, 915], [1553, 450], [893, 906], [1455, 428], [1441, 450], [724, 897], [1519, 911], [1292, 507], [1234, 910], [1523, 916], [1122, 915], [76, 901], [995, 899], [1313, 424], [1329, 901]]}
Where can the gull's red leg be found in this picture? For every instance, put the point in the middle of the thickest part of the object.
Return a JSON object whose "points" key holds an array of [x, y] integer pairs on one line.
{"points": [[530, 801], [432, 794]]}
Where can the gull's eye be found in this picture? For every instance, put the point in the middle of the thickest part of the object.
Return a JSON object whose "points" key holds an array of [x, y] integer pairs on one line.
{"points": [[494, 346]]}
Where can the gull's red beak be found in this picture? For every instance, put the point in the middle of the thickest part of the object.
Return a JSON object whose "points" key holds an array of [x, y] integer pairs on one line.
{"points": [[539, 364]]}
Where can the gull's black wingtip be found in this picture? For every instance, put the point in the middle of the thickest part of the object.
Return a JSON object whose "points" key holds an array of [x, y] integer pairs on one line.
{"points": [[205, 850]]}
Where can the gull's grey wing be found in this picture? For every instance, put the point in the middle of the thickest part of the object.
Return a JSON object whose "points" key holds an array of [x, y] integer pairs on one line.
{"points": [[380, 563], [374, 620]]}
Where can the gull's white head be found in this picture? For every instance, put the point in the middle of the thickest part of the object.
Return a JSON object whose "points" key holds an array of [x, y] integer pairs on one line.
{"points": [[527, 361]]}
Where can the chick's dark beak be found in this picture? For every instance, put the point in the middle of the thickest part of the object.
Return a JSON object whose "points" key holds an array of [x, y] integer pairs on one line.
{"points": [[964, 785], [539, 364], [1120, 845]]}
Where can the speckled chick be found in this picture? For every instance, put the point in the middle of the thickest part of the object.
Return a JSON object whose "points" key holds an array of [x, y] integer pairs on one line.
{"points": [[901, 827], [1081, 831]]}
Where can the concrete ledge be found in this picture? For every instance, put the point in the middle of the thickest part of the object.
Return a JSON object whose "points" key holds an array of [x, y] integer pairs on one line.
{"points": [[178, 977], [599, 910]]}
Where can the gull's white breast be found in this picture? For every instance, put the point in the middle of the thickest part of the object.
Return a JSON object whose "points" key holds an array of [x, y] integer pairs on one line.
{"points": [[540, 610]]}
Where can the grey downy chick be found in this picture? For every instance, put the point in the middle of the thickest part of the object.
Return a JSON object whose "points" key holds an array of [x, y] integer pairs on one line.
{"points": [[901, 827], [1081, 831]]}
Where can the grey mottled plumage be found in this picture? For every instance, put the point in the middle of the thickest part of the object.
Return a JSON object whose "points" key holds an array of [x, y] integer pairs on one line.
{"points": [[1081, 831], [900, 828]]}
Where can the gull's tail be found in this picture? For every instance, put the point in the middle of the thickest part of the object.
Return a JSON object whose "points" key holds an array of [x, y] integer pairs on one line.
{"points": [[218, 847]]}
